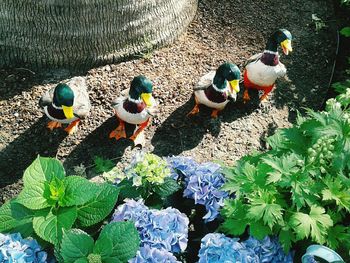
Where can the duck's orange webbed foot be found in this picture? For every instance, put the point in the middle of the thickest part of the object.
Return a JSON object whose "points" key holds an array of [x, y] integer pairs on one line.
{"points": [[139, 130], [72, 127], [194, 111], [54, 125], [214, 113], [246, 97], [119, 132]]}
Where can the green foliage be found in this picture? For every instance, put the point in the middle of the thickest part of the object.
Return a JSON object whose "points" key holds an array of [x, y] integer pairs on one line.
{"points": [[300, 188], [103, 165], [51, 203], [345, 31], [117, 242], [148, 178]]}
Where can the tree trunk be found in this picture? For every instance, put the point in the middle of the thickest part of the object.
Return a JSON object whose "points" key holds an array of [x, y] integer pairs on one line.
{"points": [[85, 33]]}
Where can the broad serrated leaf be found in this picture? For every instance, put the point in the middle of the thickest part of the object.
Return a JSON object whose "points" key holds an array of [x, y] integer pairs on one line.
{"points": [[78, 191], [271, 214], [13, 215], [336, 235], [125, 239], [286, 238], [259, 230], [345, 31], [336, 191], [49, 224], [103, 246], [75, 244], [43, 170], [234, 226], [314, 224], [284, 165], [82, 260], [103, 165], [99, 207], [167, 188], [127, 190], [33, 197]]}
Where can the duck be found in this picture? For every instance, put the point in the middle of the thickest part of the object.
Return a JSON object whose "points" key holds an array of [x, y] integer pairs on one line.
{"points": [[216, 88], [66, 103], [135, 106], [263, 69]]}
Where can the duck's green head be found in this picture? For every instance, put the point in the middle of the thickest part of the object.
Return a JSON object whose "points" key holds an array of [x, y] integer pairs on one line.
{"points": [[283, 38], [227, 72], [64, 97], [141, 87]]}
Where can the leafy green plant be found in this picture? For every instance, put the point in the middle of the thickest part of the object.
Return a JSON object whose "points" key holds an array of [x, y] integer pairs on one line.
{"points": [[117, 242], [300, 189], [148, 177], [103, 165], [50, 202]]}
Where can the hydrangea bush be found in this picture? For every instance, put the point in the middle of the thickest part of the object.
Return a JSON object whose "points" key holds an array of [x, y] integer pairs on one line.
{"points": [[160, 229], [13, 248], [203, 183], [150, 254], [219, 248]]}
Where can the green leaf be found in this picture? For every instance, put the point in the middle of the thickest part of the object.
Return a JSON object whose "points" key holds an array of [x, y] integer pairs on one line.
{"points": [[259, 230], [345, 31], [337, 236], [81, 260], [103, 246], [314, 224], [43, 170], [337, 192], [103, 165], [75, 244], [234, 226], [270, 213], [283, 165], [169, 187], [15, 217], [49, 224], [127, 190], [125, 239], [78, 191], [286, 238], [99, 207], [34, 197]]}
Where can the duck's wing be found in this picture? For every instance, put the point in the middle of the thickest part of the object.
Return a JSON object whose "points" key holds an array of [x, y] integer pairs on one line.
{"points": [[120, 99], [205, 81], [82, 103], [253, 59], [47, 98]]}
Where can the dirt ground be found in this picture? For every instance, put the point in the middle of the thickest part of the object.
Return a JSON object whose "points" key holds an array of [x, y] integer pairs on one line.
{"points": [[225, 31]]}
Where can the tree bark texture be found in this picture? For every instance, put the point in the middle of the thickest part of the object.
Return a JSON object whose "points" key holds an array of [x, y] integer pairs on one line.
{"points": [[85, 33]]}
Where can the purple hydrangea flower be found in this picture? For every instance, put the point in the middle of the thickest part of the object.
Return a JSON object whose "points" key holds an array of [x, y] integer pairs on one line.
{"points": [[147, 254], [181, 166], [268, 250], [15, 249], [163, 229], [220, 249], [205, 188]]}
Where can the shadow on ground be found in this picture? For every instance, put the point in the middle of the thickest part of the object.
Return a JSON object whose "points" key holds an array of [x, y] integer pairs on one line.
{"points": [[21, 152], [15, 80], [98, 143], [188, 132]]}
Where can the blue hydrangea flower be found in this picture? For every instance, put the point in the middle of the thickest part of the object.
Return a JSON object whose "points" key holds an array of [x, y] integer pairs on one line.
{"points": [[181, 166], [205, 188], [217, 248], [268, 250], [15, 249], [164, 229], [147, 254]]}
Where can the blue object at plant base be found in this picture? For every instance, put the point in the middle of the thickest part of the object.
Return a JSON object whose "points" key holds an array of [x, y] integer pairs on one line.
{"points": [[323, 253]]}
